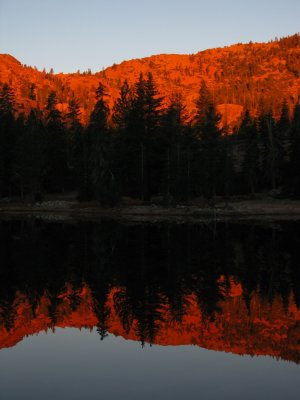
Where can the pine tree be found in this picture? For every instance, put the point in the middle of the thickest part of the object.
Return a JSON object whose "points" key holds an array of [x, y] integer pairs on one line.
{"points": [[226, 160], [104, 186], [294, 168], [73, 115], [203, 104], [248, 137], [122, 107], [283, 142], [151, 116], [269, 150], [137, 129], [152, 106], [76, 150], [124, 143], [138, 118], [56, 166], [30, 147], [172, 147], [208, 134], [7, 140]]}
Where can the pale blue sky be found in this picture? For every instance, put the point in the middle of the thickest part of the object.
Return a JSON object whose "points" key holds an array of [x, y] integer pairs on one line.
{"points": [[80, 34]]}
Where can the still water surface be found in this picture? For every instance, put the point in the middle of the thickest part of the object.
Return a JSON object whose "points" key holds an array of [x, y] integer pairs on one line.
{"points": [[110, 310]]}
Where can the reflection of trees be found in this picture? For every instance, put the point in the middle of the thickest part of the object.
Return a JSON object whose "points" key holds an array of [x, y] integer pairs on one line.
{"points": [[155, 267], [274, 269], [142, 305], [140, 299], [123, 309], [176, 290], [7, 315], [264, 260], [75, 300], [102, 313], [101, 247]]}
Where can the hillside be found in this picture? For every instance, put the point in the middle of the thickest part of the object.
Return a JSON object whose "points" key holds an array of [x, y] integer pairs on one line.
{"points": [[252, 75]]}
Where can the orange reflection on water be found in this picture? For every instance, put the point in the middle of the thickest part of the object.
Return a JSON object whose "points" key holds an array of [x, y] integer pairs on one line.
{"points": [[255, 327]]}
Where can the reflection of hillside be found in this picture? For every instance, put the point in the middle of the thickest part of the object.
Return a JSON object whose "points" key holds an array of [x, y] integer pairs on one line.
{"points": [[231, 287], [261, 329]]}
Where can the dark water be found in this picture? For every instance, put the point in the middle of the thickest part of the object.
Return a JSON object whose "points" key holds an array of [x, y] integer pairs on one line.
{"points": [[132, 311]]}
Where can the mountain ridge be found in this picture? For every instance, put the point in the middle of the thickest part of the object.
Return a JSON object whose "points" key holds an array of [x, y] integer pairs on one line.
{"points": [[252, 75]]}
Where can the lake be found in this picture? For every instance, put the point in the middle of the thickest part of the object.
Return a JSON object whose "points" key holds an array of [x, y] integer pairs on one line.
{"points": [[149, 311]]}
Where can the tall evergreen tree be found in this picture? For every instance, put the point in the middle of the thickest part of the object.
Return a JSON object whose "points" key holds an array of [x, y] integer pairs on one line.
{"points": [[269, 150], [56, 166], [153, 105], [30, 147], [294, 169], [138, 129], [7, 140], [76, 151], [208, 133], [137, 114], [152, 118], [227, 167], [123, 107], [173, 145], [102, 178], [124, 143], [73, 115], [248, 137], [283, 142]]}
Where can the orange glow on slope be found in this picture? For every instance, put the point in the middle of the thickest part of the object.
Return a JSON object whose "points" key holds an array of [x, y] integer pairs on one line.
{"points": [[251, 75]]}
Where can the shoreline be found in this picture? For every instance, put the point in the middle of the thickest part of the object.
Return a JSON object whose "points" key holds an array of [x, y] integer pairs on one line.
{"points": [[271, 209]]}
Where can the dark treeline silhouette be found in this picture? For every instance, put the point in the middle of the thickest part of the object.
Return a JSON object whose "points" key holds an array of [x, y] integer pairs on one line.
{"points": [[143, 149], [152, 265]]}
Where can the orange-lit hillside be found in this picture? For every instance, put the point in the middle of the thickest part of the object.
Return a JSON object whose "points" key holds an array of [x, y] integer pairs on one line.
{"points": [[259, 329], [253, 75]]}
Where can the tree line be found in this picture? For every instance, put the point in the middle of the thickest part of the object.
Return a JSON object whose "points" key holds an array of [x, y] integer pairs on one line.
{"points": [[143, 149]]}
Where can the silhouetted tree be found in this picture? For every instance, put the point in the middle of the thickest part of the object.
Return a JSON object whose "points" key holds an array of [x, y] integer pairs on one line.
{"points": [[102, 177], [248, 137], [269, 150], [208, 133], [172, 147], [56, 150], [147, 106], [283, 142], [294, 169], [29, 162], [7, 140], [226, 163], [123, 107], [124, 159], [76, 146], [137, 118]]}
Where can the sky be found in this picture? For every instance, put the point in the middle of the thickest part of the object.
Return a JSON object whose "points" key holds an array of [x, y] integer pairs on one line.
{"points": [[68, 35]]}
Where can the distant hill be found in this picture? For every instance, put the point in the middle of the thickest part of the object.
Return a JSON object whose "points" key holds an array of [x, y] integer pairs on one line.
{"points": [[253, 75]]}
